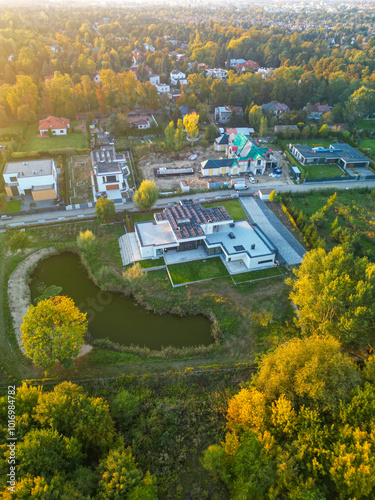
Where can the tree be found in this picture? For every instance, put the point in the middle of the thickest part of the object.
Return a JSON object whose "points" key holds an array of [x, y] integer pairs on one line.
{"points": [[263, 129], [147, 194], [272, 195], [105, 209], [324, 130], [19, 241], [179, 136], [335, 293], [211, 133], [53, 329], [191, 125], [255, 117], [121, 479], [170, 132], [85, 240], [361, 103], [26, 114]]}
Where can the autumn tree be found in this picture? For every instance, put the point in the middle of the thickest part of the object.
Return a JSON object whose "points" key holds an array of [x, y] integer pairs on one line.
{"points": [[179, 136], [335, 293], [303, 427], [191, 125], [53, 330], [120, 478], [147, 194], [85, 240], [170, 132], [19, 241], [255, 117], [105, 209], [263, 129]]}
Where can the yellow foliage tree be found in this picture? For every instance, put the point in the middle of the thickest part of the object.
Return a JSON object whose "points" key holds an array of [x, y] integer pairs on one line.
{"points": [[53, 329], [146, 195], [191, 125]]}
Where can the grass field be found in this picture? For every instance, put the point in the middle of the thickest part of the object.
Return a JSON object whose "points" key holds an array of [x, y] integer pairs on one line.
{"points": [[197, 270], [257, 275], [368, 143], [325, 143], [322, 171], [13, 206], [35, 143], [365, 124], [233, 207], [11, 129], [145, 264]]}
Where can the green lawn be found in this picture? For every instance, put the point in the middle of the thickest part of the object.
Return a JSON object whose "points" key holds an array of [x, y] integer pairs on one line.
{"points": [[365, 124], [11, 129], [145, 264], [142, 217], [368, 143], [323, 171], [233, 207], [35, 143], [256, 275], [197, 270], [13, 206]]}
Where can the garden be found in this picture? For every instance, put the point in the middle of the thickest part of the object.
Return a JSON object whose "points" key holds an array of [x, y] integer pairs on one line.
{"points": [[197, 270], [74, 139]]}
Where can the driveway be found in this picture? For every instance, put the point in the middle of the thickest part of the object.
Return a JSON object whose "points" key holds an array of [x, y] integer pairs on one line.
{"points": [[289, 249]]}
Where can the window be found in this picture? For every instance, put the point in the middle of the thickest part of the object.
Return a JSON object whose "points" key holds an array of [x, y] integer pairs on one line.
{"points": [[264, 261], [13, 179], [111, 178]]}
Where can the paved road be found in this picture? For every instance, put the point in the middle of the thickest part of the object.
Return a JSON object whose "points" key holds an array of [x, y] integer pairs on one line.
{"points": [[73, 214], [289, 248]]}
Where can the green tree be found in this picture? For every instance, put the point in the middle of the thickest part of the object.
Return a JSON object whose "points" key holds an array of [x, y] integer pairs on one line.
{"points": [[263, 129], [19, 241], [26, 114], [179, 137], [147, 194], [211, 133], [334, 293], [53, 329], [170, 132], [255, 117], [105, 209], [120, 478], [324, 130]]}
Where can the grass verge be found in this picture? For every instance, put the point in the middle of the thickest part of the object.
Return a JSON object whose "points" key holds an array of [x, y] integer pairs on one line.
{"points": [[257, 275], [197, 270], [13, 206], [233, 207]]}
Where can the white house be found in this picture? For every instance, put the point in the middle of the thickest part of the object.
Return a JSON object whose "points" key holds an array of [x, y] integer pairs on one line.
{"points": [[178, 76], [188, 227], [142, 122], [223, 113], [163, 88], [96, 77], [155, 79], [111, 171], [58, 126], [221, 143], [37, 178], [217, 73]]}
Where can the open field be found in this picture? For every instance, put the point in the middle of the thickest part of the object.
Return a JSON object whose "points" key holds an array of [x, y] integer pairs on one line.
{"points": [[365, 124], [325, 143], [322, 171], [11, 129], [78, 171], [354, 209], [197, 270], [35, 143]]}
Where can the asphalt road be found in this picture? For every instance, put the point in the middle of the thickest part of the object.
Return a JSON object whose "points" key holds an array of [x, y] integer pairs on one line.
{"points": [[162, 202]]}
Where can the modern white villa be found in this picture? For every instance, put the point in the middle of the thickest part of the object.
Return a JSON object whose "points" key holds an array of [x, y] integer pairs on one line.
{"points": [[111, 171], [199, 233]]}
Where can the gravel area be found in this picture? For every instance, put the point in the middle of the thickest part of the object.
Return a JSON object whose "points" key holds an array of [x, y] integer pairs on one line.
{"points": [[289, 248], [19, 294]]}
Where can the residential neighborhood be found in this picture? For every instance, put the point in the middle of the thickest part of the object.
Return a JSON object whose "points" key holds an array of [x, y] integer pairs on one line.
{"points": [[187, 250]]}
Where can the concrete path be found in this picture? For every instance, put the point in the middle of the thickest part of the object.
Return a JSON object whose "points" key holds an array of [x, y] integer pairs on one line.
{"points": [[289, 249]]}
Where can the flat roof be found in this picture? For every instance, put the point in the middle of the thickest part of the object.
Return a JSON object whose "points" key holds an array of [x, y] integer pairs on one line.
{"points": [[106, 160], [154, 234], [335, 151], [29, 168], [245, 235]]}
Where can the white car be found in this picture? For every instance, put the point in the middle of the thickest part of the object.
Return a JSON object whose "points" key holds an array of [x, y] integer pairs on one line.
{"points": [[6, 217], [252, 180]]}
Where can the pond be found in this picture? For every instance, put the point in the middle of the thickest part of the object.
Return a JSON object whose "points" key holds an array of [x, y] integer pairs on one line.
{"points": [[114, 316]]}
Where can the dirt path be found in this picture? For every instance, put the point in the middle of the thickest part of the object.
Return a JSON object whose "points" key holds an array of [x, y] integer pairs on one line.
{"points": [[19, 294]]}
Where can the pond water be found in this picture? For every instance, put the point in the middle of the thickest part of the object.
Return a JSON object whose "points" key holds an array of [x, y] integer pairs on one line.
{"points": [[114, 316]]}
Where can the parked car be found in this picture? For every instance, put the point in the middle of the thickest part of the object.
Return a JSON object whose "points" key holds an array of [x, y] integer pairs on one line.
{"points": [[252, 180], [6, 217]]}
